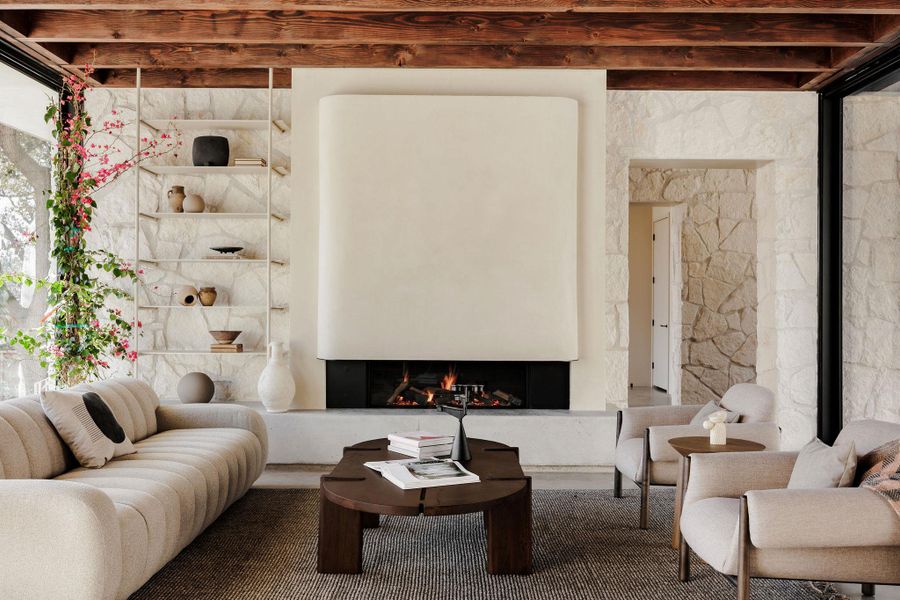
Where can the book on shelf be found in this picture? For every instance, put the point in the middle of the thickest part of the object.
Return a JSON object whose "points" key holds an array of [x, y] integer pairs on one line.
{"points": [[419, 439], [249, 162], [413, 474], [226, 347], [426, 452]]}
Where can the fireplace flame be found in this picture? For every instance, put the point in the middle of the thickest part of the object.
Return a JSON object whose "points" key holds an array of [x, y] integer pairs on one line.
{"points": [[449, 379], [405, 373]]}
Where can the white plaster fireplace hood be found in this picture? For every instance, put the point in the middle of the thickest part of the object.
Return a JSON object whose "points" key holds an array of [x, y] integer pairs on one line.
{"points": [[448, 228]]}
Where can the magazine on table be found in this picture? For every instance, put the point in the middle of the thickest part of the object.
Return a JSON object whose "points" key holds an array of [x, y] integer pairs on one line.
{"points": [[411, 473]]}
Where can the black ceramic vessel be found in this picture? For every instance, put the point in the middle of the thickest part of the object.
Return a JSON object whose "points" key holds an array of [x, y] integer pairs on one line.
{"points": [[210, 151]]}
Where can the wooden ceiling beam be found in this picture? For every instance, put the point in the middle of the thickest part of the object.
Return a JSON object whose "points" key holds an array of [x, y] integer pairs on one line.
{"points": [[178, 56], [694, 80], [638, 29], [617, 80], [597, 6]]}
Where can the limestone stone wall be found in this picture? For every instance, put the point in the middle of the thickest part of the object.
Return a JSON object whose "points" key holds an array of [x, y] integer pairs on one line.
{"points": [[871, 273], [718, 296], [240, 286], [774, 132]]}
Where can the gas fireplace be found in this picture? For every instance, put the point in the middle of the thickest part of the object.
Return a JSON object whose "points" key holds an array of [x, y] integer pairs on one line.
{"points": [[423, 384]]}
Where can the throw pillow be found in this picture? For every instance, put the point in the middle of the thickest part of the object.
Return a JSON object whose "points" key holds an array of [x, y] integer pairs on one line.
{"points": [[87, 425], [880, 472], [822, 466], [709, 409]]}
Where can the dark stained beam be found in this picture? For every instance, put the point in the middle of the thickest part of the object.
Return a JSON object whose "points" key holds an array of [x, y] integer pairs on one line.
{"points": [[195, 78], [617, 80], [210, 56], [693, 80], [623, 29], [599, 6]]}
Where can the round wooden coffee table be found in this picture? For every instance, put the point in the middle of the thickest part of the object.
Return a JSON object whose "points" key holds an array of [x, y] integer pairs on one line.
{"points": [[353, 496], [685, 446]]}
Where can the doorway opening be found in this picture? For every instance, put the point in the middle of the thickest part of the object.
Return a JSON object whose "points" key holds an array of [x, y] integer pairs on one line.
{"points": [[692, 283]]}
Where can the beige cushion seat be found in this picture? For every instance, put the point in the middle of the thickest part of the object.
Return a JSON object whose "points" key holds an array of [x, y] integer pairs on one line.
{"points": [[629, 458], [100, 534]]}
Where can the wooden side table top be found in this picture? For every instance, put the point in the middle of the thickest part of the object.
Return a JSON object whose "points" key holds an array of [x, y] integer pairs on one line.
{"points": [[699, 444]]}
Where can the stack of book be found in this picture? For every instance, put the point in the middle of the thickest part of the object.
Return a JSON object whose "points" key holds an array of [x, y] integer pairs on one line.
{"points": [[249, 162], [420, 444], [226, 347]]}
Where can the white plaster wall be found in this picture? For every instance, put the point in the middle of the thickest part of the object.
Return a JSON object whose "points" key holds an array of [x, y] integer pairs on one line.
{"points": [[587, 87], [871, 272], [235, 375], [778, 131]]}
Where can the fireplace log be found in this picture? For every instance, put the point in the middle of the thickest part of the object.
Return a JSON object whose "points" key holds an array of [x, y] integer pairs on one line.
{"points": [[397, 391], [507, 398]]}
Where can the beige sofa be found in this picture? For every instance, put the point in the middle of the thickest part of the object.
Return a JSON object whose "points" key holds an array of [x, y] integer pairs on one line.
{"points": [[740, 518], [95, 534]]}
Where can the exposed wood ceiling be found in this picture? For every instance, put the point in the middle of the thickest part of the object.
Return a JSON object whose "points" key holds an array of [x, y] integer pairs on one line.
{"points": [[645, 44]]}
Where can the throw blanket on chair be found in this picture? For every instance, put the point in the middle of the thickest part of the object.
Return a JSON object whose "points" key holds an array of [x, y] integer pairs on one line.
{"points": [[880, 470]]}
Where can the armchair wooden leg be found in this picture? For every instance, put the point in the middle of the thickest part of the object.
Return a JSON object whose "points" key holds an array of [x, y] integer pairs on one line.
{"points": [[617, 475], [868, 589], [684, 561], [743, 577], [645, 483]]}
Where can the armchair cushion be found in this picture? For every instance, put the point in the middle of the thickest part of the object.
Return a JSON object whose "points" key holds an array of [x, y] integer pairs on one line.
{"points": [[755, 403], [711, 407], [823, 518], [822, 466], [731, 474]]}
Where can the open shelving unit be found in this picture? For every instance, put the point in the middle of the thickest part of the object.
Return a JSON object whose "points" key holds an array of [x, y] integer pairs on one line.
{"points": [[265, 215]]}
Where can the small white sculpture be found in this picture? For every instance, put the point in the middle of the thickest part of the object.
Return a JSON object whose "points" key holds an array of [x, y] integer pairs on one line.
{"points": [[715, 424]]}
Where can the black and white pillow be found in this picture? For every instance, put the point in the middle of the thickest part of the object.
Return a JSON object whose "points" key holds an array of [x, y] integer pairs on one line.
{"points": [[86, 423]]}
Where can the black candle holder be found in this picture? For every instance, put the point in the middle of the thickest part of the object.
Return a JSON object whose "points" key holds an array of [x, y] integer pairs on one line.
{"points": [[460, 450]]}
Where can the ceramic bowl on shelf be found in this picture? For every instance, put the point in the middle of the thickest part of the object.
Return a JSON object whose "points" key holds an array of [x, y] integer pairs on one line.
{"points": [[226, 249], [224, 336]]}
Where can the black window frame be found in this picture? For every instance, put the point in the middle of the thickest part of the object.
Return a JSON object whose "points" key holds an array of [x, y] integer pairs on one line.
{"points": [[871, 76]]}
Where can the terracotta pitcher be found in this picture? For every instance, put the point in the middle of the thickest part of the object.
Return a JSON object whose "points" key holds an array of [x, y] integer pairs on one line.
{"points": [[176, 198]]}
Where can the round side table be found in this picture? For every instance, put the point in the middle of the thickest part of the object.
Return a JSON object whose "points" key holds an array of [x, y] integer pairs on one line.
{"points": [[685, 446]]}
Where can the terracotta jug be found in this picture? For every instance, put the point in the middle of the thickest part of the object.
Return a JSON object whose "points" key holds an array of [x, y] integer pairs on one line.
{"points": [[208, 296], [176, 198]]}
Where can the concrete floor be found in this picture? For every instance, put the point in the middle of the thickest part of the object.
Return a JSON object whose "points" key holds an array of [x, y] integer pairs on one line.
{"points": [[648, 396]]}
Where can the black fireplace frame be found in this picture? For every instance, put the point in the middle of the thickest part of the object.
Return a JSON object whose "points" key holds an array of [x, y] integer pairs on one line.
{"points": [[347, 384]]}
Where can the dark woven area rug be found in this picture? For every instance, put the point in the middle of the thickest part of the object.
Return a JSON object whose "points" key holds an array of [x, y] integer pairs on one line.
{"points": [[587, 546]]}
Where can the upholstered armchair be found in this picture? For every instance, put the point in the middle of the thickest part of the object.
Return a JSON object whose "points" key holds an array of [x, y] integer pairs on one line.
{"points": [[739, 518], [643, 453]]}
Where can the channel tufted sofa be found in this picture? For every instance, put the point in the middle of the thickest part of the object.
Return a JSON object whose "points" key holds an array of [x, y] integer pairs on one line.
{"points": [[97, 534]]}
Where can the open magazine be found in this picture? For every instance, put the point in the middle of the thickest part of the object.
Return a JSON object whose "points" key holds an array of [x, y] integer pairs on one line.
{"points": [[412, 474]]}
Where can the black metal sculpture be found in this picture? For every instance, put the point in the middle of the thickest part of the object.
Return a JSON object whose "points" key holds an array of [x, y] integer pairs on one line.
{"points": [[460, 450]]}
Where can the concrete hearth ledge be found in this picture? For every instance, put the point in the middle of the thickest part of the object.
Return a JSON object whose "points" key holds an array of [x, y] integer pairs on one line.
{"points": [[544, 437]]}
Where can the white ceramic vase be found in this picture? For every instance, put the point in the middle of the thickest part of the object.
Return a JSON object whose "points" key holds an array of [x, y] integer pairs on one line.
{"points": [[276, 384]]}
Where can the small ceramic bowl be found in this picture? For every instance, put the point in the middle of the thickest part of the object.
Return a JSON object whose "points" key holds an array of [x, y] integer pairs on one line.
{"points": [[224, 336]]}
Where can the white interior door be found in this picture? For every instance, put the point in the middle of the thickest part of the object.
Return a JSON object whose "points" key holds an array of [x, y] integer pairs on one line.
{"points": [[661, 274]]}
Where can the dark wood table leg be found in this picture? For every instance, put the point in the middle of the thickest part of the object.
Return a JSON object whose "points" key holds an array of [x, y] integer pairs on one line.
{"points": [[509, 536], [340, 538], [684, 465], [371, 520]]}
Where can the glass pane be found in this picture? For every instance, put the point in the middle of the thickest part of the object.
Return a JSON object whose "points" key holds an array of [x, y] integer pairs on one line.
{"points": [[25, 149], [871, 261]]}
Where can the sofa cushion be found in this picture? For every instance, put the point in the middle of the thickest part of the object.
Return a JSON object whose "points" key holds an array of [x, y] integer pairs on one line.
{"points": [[30, 448], [822, 466], [88, 426], [133, 402]]}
